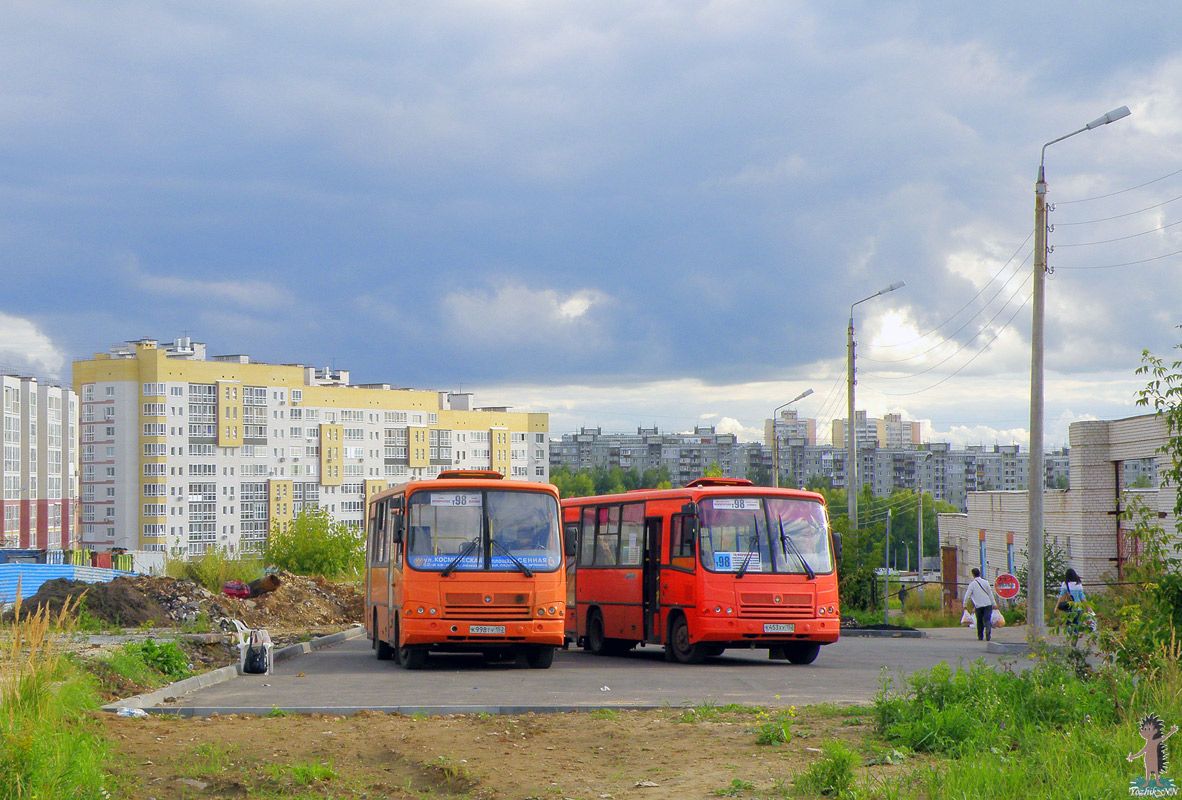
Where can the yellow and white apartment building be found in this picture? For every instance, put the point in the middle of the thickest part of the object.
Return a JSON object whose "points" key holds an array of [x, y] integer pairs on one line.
{"points": [[192, 453]]}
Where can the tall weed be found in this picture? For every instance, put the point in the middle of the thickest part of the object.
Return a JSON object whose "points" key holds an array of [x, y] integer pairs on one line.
{"points": [[213, 568], [48, 747]]}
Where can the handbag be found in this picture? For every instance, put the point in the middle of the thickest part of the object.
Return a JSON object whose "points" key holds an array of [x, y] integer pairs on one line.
{"points": [[1064, 605]]}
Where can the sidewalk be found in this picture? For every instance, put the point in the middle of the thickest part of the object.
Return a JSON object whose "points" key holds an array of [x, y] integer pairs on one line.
{"points": [[1008, 640]]}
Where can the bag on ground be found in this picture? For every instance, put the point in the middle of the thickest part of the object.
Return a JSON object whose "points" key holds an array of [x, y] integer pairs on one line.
{"points": [[996, 619]]}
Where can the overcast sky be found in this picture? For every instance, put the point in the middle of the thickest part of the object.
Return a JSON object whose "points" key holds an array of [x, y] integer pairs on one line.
{"points": [[621, 213]]}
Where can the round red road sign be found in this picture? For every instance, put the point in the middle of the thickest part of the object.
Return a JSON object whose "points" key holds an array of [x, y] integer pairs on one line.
{"points": [[1006, 586]]}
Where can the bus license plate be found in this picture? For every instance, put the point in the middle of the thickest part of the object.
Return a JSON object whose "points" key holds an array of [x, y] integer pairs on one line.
{"points": [[493, 629], [779, 627]]}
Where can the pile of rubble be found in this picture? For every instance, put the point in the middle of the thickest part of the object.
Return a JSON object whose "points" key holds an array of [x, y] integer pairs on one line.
{"points": [[300, 603]]}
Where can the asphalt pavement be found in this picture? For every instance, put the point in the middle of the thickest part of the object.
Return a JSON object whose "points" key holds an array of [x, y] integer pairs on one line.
{"points": [[346, 677]]}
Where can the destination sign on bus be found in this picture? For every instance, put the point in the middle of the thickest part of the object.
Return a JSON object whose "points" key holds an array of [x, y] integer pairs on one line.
{"points": [[457, 499], [733, 562], [736, 503], [475, 562]]}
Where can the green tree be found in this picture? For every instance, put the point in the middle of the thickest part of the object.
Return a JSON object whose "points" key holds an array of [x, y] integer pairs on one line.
{"points": [[315, 543]]}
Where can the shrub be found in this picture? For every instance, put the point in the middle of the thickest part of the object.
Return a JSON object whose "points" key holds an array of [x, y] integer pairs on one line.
{"points": [[833, 775], [213, 568], [314, 543]]}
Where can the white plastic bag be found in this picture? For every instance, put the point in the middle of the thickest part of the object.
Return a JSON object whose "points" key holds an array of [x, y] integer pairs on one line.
{"points": [[996, 620], [966, 618]]}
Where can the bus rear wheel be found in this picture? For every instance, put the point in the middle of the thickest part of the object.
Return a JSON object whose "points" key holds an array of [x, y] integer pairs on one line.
{"points": [[678, 644], [802, 653], [539, 656], [596, 640], [383, 649]]}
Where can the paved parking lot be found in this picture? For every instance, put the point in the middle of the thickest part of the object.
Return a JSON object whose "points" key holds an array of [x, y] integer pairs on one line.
{"points": [[347, 677]]}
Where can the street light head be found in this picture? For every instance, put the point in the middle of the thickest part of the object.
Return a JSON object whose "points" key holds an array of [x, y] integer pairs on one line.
{"points": [[802, 395], [893, 287], [1111, 116]]}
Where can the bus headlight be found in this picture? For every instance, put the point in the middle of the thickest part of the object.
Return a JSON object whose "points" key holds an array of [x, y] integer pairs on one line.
{"points": [[541, 611]]}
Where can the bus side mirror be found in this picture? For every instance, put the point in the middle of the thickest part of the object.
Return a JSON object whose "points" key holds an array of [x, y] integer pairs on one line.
{"points": [[837, 547], [690, 509], [396, 525], [689, 533], [570, 541]]}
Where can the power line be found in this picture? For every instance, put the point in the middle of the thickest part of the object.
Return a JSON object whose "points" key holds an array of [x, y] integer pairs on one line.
{"points": [[965, 365], [1122, 238], [1125, 263], [1000, 289], [957, 350], [1118, 216], [970, 300], [1122, 191]]}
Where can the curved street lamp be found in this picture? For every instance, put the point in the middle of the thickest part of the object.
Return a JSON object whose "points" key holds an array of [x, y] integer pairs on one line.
{"points": [[851, 467], [1035, 580], [776, 437]]}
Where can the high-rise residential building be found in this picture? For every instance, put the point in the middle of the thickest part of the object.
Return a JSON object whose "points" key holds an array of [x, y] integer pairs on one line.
{"points": [[890, 431], [39, 506], [184, 452], [684, 456], [786, 437]]}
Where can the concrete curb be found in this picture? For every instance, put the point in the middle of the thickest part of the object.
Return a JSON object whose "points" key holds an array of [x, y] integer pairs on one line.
{"points": [[429, 711], [873, 634], [213, 677]]}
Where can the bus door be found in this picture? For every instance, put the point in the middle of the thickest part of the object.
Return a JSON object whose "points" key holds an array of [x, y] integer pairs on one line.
{"points": [[652, 579]]}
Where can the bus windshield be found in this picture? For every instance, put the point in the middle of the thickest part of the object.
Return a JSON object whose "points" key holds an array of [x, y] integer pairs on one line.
{"points": [[477, 530], [764, 534]]}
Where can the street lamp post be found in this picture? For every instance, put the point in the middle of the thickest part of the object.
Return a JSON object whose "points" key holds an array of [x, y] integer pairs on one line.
{"points": [[776, 437], [1035, 596], [919, 537], [851, 467]]}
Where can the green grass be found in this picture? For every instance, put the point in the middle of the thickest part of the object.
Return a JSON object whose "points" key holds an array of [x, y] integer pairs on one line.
{"points": [[49, 747]]}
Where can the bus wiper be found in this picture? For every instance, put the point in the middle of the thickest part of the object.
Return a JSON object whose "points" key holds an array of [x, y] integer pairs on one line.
{"points": [[747, 559], [465, 550], [787, 543], [528, 572]]}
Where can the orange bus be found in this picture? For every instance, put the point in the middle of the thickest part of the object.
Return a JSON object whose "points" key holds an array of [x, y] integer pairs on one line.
{"points": [[719, 564], [465, 562]]}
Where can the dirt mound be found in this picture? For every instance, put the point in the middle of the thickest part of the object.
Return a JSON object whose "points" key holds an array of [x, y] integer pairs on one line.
{"points": [[300, 603], [306, 604], [117, 603]]}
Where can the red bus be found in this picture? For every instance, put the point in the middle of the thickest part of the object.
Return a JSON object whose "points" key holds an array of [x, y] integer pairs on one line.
{"points": [[719, 564], [466, 562]]}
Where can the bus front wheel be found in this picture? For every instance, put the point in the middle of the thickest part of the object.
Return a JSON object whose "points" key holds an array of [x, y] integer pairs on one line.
{"points": [[412, 657], [539, 656], [678, 644], [802, 653]]}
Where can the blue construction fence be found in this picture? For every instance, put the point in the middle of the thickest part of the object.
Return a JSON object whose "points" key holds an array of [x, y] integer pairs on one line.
{"points": [[24, 571]]}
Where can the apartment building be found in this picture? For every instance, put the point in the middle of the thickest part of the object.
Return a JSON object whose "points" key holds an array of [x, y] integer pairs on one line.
{"points": [[39, 506], [183, 452], [685, 456]]}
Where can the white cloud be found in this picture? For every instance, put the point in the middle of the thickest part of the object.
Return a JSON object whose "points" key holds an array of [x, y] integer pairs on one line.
{"points": [[516, 315], [23, 347]]}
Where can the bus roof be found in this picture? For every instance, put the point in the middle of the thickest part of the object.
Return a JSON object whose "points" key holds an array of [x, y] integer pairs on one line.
{"points": [[467, 479], [698, 489]]}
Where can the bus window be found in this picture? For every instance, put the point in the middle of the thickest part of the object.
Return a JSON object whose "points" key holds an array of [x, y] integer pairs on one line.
{"points": [[587, 539], [681, 545], [525, 525], [442, 524], [632, 534], [803, 526], [607, 537], [734, 535]]}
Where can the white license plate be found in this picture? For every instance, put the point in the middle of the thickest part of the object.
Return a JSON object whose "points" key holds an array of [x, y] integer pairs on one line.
{"points": [[494, 629], [779, 627]]}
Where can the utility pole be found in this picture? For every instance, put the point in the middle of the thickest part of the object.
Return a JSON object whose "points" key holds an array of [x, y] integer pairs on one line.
{"points": [[886, 599]]}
